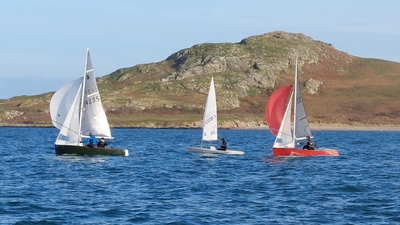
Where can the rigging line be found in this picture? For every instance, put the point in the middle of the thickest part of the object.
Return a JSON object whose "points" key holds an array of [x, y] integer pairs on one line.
{"points": [[64, 126], [274, 129], [303, 118]]}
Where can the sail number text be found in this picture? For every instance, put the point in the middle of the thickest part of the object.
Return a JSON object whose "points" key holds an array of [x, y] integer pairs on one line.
{"points": [[298, 100], [209, 119], [91, 91], [92, 100]]}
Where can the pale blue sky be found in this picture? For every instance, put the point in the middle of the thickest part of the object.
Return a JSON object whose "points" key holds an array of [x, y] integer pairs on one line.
{"points": [[43, 42]]}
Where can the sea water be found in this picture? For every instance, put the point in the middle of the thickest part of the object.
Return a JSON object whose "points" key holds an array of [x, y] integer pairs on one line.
{"points": [[162, 183]]}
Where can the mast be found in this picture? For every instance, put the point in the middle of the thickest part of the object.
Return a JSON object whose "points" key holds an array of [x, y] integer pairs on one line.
{"points": [[295, 105], [82, 94]]}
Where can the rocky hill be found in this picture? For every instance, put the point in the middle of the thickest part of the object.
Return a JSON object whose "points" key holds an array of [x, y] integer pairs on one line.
{"points": [[338, 88]]}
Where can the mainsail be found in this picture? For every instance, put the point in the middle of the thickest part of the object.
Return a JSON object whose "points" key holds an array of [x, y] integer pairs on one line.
{"points": [[210, 127], [301, 126], [94, 119]]}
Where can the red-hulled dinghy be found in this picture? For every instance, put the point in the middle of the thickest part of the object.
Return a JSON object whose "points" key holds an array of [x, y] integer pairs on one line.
{"points": [[278, 117]]}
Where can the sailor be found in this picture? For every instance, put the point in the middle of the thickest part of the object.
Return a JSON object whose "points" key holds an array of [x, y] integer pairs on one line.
{"points": [[310, 145], [91, 141], [101, 143], [223, 145]]}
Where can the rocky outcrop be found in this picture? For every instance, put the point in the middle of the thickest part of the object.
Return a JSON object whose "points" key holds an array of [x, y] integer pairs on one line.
{"points": [[258, 58], [9, 115], [312, 85]]}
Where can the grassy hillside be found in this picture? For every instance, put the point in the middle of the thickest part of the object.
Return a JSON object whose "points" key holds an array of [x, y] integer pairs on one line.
{"points": [[338, 88]]}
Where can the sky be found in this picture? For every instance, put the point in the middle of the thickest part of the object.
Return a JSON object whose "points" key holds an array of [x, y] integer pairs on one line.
{"points": [[43, 42]]}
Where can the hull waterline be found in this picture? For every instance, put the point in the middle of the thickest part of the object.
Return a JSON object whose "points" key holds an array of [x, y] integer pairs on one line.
{"points": [[303, 152], [83, 150], [214, 151]]}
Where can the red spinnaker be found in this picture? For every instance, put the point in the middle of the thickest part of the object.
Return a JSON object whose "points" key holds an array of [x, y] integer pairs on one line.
{"points": [[275, 108]]}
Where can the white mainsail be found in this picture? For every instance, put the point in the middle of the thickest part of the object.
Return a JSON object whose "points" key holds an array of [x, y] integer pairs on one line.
{"points": [[301, 126], [94, 118], [76, 109], [210, 127]]}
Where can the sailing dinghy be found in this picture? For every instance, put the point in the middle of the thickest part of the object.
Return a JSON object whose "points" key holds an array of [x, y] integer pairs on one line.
{"points": [[76, 110], [210, 126], [279, 122]]}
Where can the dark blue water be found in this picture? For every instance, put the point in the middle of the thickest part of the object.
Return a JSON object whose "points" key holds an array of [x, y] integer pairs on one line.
{"points": [[162, 183]]}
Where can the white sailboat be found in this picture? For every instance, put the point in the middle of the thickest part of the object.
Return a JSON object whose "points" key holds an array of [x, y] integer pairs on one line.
{"points": [[279, 122], [210, 126], [76, 110]]}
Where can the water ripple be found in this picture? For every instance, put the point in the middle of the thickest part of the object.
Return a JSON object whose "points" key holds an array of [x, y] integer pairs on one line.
{"points": [[162, 183]]}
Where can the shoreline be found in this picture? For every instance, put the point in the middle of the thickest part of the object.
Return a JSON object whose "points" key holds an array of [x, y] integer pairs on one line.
{"points": [[335, 128], [355, 128], [314, 127]]}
